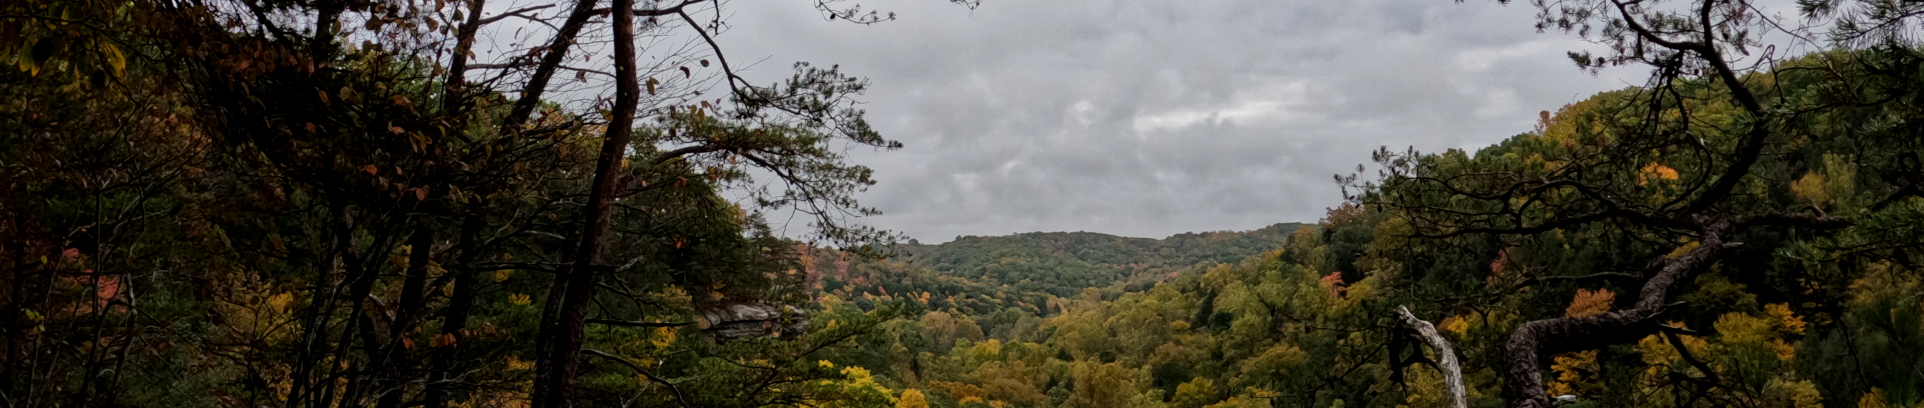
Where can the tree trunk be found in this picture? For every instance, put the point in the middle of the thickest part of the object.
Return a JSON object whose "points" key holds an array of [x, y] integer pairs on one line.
{"points": [[455, 317], [411, 303], [531, 97], [457, 81], [15, 323], [578, 278]]}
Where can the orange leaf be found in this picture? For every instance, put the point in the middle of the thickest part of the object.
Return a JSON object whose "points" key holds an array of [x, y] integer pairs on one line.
{"points": [[371, 170], [1587, 303], [443, 340], [1334, 284]]}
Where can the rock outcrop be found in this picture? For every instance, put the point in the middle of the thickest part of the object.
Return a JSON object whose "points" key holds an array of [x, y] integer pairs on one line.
{"points": [[734, 321]]}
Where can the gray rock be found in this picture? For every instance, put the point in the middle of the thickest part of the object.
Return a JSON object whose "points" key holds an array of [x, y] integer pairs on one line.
{"points": [[739, 320]]}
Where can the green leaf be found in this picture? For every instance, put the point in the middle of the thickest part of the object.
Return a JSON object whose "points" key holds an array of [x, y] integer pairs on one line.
{"points": [[25, 61]]}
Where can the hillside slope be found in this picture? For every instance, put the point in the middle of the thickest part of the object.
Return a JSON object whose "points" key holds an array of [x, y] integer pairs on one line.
{"points": [[1063, 263], [1023, 270]]}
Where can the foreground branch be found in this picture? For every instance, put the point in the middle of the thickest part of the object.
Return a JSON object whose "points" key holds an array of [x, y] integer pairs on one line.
{"points": [[1533, 340]]}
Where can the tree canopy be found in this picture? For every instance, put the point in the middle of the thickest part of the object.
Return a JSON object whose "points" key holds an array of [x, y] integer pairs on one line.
{"points": [[321, 203]]}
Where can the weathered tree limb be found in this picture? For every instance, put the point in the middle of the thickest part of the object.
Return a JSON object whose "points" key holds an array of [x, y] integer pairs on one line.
{"points": [[1538, 338], [1445, 357]]}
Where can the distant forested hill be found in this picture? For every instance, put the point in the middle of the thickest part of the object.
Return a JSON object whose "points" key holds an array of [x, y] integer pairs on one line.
{"points": [[989, 273], [1064, 263]]}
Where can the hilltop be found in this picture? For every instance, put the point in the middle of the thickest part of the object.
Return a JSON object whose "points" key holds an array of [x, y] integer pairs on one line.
{"points": [[1024, 269]]}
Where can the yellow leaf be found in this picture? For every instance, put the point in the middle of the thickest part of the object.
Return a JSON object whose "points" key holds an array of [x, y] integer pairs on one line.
{"points": [[515, 364], [1683, 249], [1790, 321], [1811, 187], [1802, 394], [1785, 351], [26, 63], [1570, 369], [279, 302], [114, 58], [1873, 399], [1737, 327], [1456, 325], [911, 398]]}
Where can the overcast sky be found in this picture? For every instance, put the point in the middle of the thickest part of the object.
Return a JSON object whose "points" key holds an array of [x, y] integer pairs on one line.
{"points": [[1151, 118]]}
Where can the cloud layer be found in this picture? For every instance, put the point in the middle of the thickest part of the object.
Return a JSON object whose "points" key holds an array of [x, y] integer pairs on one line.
{"points": [[1155, 118]]}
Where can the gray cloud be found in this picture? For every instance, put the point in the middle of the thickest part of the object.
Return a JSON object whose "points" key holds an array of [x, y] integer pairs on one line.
{"points": [[1155, 118]]}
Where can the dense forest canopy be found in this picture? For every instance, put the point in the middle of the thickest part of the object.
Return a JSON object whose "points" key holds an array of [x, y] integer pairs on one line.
{"points": [[332, 203]]}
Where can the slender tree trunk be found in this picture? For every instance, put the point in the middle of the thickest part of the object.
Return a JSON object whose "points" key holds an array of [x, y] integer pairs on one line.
{"points": [[564, 40], [363, 271], [360, 326], [15, 322], [579, 277], [455, 316], [129, 334], [457, 81], [395, 371], [531, 97], [92, 371], [455, 319], [317, 318]]}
